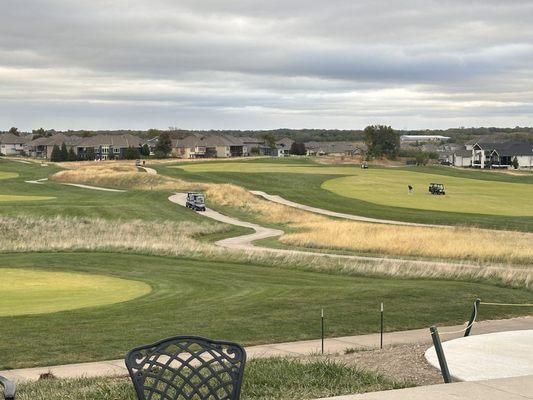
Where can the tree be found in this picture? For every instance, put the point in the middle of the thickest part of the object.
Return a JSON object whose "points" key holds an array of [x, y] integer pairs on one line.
{"points": [[90, 154], [269, 139], [64, 152], [13, 130], [72, 155], [421, 158], [164, 145], [153, 132], [515, 163], [254, 151], [132, 153], [56, 154], [37, 133], [298, 148], [382, 141], [145, 150]]}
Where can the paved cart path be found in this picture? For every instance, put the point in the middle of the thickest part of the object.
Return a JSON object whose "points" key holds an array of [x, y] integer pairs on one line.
{"points": [[280, 200], [290, 349], [94, 187], [245, 242]]}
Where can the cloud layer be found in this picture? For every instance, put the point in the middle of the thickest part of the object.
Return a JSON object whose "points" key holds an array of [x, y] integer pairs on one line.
{"points": [[251, 64]]}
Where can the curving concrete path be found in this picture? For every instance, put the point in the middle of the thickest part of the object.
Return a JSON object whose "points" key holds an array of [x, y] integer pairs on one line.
{"points": [[79, 185], [329, 213], [38, 181], [149, 170], [245, 242], [240, 242]]}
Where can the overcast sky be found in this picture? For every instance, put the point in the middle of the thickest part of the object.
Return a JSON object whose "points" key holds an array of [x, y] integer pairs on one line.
{"points": [[206, 64]]}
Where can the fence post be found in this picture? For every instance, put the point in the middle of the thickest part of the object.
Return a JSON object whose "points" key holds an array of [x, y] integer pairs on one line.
{"points": [[381, 336], [440, 354], [322, 328], [472, 317]]}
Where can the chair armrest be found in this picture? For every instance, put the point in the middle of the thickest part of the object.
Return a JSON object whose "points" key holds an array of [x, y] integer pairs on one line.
{"points": [[9, 388]]}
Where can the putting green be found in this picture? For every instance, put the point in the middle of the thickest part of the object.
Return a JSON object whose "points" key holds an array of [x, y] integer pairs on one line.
{"points": [[242, 167], [11, 197], [32, 291], [8, 175], [389, 187]]}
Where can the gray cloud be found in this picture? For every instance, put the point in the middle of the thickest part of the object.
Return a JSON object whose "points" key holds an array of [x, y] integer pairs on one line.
{"points": [[251, 64]]}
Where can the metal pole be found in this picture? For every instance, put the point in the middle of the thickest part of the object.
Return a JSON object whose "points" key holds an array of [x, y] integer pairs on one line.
{"points": [[440, 355], [381, 338], [322, 327], [472, 317]]}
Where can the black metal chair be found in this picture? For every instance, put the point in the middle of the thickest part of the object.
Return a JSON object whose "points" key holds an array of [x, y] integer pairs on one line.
{"points": [[188, 368], [9, 388]]}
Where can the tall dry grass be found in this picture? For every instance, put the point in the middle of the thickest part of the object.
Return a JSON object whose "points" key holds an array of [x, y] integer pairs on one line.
{"points": [[315, 231], [20, 234], [458, 243]]}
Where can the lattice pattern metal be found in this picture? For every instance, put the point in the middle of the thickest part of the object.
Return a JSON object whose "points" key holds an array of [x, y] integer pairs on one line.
{"points": [[188, 368]]}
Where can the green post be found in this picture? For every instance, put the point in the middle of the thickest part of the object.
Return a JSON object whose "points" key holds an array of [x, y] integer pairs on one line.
{"points": [[472, 317], [440, 355]]}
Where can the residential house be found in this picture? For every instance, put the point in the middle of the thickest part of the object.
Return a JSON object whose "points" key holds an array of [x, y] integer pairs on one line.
{"points": [[282, 148], [462, 158], [494, 154], [502, 155], [102, 144], [13, 145], [42, 147], [334, 148], [105, 145], [210, 146]]}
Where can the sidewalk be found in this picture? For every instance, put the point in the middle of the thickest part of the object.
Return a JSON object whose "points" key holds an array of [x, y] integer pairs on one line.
{"points": [[519, 388], [290, 349]]}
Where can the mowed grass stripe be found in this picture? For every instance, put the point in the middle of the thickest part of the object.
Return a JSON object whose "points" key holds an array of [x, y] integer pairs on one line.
{"points": [[31, 291], [243, 302], [388, 187], [8, 175], [10, 197]]}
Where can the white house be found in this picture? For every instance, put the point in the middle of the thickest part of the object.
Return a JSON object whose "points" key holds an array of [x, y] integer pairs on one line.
{"points": [[11, 145]]}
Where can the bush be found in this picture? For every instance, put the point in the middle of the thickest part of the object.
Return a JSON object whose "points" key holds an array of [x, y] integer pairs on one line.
{"points": [[132, 153]]}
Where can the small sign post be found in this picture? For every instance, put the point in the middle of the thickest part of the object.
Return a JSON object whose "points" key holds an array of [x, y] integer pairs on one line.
{"points": [[381, 338]]}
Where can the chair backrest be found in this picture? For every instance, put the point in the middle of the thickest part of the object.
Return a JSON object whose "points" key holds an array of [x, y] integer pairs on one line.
{"points": [[188, 368]]}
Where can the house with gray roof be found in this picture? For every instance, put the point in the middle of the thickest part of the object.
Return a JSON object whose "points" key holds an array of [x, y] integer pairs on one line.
{"points": [[103, 145], [209, 146], [495, 154], [13, 145], [334, 148]]}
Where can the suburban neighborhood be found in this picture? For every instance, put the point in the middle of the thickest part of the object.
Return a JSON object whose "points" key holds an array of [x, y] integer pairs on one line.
{"points": [[266, 200]]}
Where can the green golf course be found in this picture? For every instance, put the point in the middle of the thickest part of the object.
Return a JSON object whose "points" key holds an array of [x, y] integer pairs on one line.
{"points": [[473, 197], [388, 187], [248, 303], [30, 291]]}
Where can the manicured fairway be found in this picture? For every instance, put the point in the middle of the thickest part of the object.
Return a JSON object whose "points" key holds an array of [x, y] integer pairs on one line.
{"points": [[16, 198], [242, 302], [486, 201], [389, 187], [8, 175], [265, 167], [30, 291]]}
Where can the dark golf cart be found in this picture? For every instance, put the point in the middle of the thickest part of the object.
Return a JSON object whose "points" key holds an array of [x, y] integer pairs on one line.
{"points": [[195, 201], [436, 188]]}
